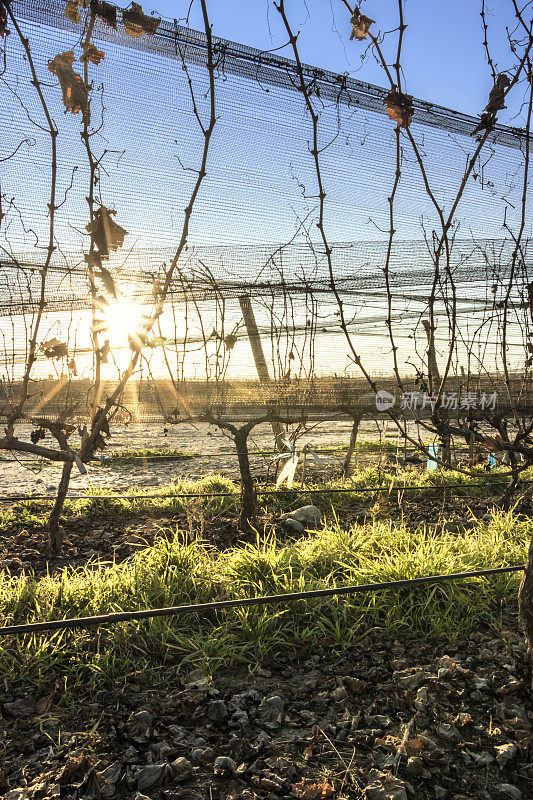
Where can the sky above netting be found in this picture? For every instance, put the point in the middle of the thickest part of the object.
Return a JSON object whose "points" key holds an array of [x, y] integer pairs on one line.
{"points": [[444, 59]]}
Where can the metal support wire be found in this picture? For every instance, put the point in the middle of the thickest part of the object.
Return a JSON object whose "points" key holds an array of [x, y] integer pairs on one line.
{"points": [[220, 605]]}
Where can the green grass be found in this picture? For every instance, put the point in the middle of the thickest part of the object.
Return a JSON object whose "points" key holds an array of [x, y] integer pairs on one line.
{"points": [[146, 455], [31, 514], [173, 573], [153, 500]]}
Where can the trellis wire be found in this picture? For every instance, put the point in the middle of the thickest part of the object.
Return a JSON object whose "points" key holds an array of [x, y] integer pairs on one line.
{"points": [[259, 492], [220, 605]]}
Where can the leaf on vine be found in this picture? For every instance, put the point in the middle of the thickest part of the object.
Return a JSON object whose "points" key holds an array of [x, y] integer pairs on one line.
{"points": [[107, 234], [106, 12], [230, 341], [72, 367], [157, 290], [92, 53], [360, 25], [495, 104], [75, 97], [109, 282], [3, 19], [72, 12], [53, 348], [136, 22], [497, 94], [399, 107]]}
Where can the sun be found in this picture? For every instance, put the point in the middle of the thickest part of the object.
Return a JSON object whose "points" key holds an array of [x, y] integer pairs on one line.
{"points": [[123, 319]]}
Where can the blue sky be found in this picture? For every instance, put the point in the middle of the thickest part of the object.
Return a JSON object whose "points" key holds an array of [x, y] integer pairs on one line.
{"points": [[443, 53]]}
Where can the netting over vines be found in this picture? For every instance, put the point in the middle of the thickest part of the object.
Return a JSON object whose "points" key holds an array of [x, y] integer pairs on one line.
{"points": [[254, 231]]}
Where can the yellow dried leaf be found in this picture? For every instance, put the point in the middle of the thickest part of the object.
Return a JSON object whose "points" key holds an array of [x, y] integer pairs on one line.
{"points": [[53, 348]]}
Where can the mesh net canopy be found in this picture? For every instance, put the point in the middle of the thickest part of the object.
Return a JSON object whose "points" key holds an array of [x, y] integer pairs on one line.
{"points": [[253, 230]]}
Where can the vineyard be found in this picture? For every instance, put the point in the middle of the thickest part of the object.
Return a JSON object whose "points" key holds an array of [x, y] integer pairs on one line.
{"points": [[266, 449]]}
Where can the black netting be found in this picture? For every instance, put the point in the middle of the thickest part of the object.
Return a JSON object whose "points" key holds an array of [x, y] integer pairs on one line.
{"points": [[253, 229]]}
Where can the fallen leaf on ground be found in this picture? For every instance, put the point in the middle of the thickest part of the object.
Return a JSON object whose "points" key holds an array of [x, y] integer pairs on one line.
{"points": [[311, 791]]}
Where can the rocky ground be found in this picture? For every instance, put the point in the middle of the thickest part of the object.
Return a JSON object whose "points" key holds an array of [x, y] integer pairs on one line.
{"points": [[386, 721]]}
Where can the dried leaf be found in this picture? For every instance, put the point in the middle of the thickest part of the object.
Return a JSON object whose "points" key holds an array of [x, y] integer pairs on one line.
{"points": [[399, 107], [360, 25], [3, 19], [109, 282], [92, 53], [308, 752], [107, 234], [74, 770], [311, 791], [53, 348], [75, 97], [43, 704], [497, 94], [72, 12], [136, 22], [106, 12], [530, 298], [495, 104], [92, 786]]}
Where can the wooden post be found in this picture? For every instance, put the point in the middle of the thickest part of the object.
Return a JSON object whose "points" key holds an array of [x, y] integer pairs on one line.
{"points": [[260, 360], [351, 447], [433, 370]]}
